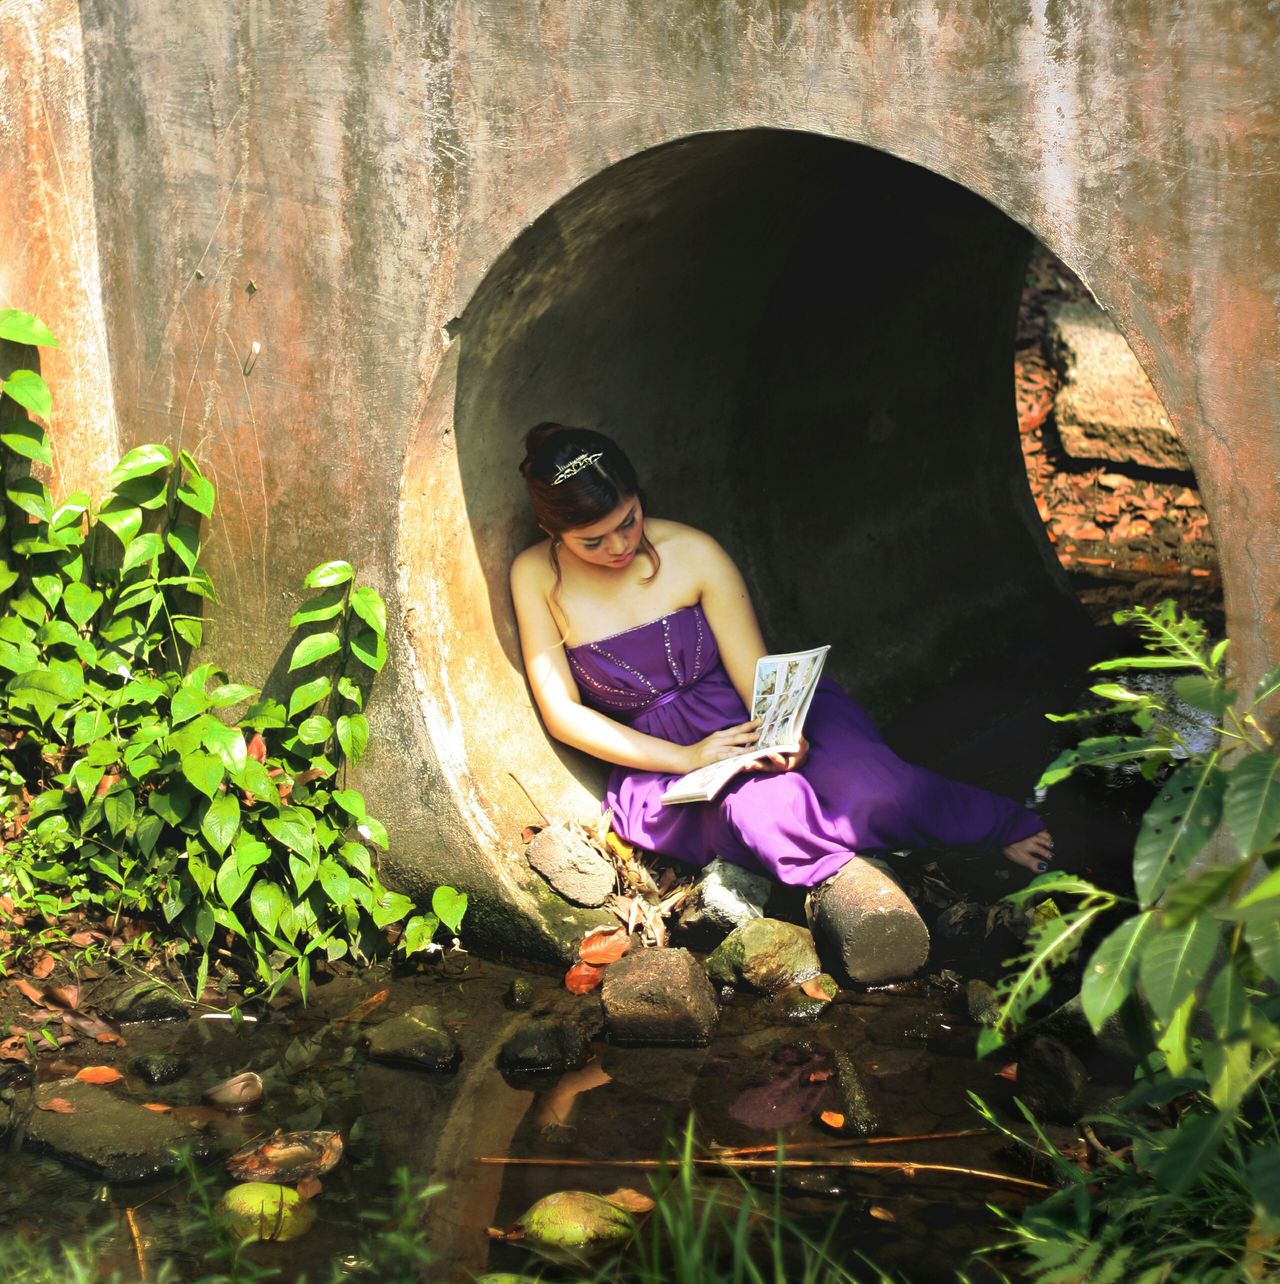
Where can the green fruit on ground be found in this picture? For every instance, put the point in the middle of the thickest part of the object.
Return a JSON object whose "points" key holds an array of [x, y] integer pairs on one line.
{"points": [[259, 1210]]}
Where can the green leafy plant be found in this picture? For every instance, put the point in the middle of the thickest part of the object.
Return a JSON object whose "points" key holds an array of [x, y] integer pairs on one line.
{"points": [[1196, 961], [121, 763]]}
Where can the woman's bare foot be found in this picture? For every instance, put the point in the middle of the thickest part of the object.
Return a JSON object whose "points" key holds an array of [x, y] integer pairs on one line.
{"points": [[1035, 852]]}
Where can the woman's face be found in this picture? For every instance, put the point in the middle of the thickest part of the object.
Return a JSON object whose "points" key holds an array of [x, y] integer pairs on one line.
{"points": [[612, 541]]}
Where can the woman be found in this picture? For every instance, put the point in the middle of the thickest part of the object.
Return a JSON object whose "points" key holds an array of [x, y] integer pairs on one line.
{"points": [[640, 644]]}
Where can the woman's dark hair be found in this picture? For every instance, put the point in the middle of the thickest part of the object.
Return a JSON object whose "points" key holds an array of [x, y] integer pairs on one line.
{"points": [[594, 477]]}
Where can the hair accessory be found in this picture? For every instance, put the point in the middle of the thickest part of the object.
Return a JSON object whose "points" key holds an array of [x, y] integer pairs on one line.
{"points": [[574, 467]]}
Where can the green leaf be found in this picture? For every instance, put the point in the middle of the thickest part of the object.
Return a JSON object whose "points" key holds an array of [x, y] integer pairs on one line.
{"points": [[290, 829], [173, 804], [322, 607], [1177, 826], [1268, 684], [123, 520], [314, 648], [267, 901], [449, 905], [231, 882], [68, 514], [32, 496], [142, 461], [147, 832], [220, 822], [229, 693], [119, 806], [250, 852], [308, 694], [1211, 695], [188, 702], [370, 607], [315, 730], [373, 830], [390, 907], [81, 603], [1263, 1170], [336, 882], [29, 391], [49, 587], [1228, 1005], [204, 928], [329, 573], [1258, 903], [198, 494], [1252, 805], [349, 691], [22, 327], [351, 801], [418, 933], [203, 770], [1189, 897], [369, 649], [1145, 662], [353, 736], [303, 873], [141, 550], [1195, 1142], [27, 439], [1111, 972], [1174, 961], [1098, 752], [185, 542], [1263, 939], [227, 742]]}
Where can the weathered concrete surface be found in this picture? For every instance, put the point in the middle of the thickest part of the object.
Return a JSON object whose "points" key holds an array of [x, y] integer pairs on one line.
{"points": [[1106, 407], [340, 183]]}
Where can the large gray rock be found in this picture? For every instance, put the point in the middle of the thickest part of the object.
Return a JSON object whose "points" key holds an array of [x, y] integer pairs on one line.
{"points": [[546, 1044], [111, 1137], [766, 954], [1051, 1080], [659, 996], [572, 866], [725, 897], [1106, 407], [415, 1038], [865, 921]]}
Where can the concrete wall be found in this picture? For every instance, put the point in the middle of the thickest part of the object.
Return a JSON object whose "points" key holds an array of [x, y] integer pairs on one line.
{"points": [[337, 182]]}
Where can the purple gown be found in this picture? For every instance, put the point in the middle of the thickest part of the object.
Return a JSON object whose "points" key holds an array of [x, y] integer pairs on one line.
{"points": [[852, 795]]}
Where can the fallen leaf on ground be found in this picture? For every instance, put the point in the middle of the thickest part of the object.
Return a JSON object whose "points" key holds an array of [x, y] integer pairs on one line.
{"points": [[42, 967], [881, 1214], [110, 1036], [364, 1007], [257, 747], [604, 945], [28, 991], [158, 1106], [1009, 1072], [65, 996], [630, 1200], [815, 989], [832, 1118], [582, 978], [309, 1187], [57, 1106], [99, 1074]]}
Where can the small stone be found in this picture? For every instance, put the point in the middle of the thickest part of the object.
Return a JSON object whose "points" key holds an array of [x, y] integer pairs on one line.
{"points": [[659, 996], [860, 1116], [981, 1003], [416, 1038], [237, 1095], [725, 897], [544, 1045], [572, 866], [157, 1068], [520, 993], [111, 1137], [767, 954], [800, 1006], [148, 1001], [861, 917], [1051, 1080]]}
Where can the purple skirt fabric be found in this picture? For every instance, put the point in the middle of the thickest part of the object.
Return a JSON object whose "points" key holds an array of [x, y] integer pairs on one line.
{"points": [[853, 795]]}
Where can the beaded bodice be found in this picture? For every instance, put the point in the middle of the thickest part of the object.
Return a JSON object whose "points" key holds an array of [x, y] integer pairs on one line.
{"points": [[640, 669]]}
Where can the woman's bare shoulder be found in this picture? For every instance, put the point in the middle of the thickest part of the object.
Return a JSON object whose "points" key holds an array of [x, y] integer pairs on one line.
{"points": [[532, 567], [679, 537]]}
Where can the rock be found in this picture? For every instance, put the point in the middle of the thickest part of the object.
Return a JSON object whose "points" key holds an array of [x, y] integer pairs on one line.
{"points": [[725, 897], [1051, 1080], [572, 866], [17, 1100], [415, 1038], [799, 1006], [1106, 407], [111, 1137], [854, 1102], [659, 996], [520, 993], [148, 1001], [156, 1068], [237, 1095], [1068, 1024], [861, 917], [258, 1210], [544, 1045], [963, 919], [766, 954], [981, 1004]]}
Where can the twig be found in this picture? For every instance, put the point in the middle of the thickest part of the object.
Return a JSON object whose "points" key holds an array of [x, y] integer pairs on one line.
{"points": [[137, 1243], [906, 1167], [843, 1143], [530, 797]]}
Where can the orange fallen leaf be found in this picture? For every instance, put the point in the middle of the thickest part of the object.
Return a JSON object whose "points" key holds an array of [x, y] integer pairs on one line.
{"points": [[257, 747], [42, 967], [604, 945], [28, 991], [158, 1106], [309, 1187], [582, 978], [99, 1074], [57, 1106], [631, 1201], [64, 996], [109, 1036], [364, 1007], [881, 1214], [815, 989], [818, 1076], [1009, 1072], [104, 785], [832, 1118]]}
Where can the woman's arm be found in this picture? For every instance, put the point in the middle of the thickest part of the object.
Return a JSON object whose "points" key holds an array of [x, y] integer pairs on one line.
{"points": [[727, 606], [563, 712]]}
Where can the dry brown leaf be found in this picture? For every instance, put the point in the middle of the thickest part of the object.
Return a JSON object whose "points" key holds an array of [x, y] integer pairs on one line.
{"points": [[65, 996], [27, 990], [57, 1106], [42, 967], [110, 1036], [1009, 1072], [582, 978], [364, 1007], [604, 945], [99, 1074], [257, 747], [881, 1214], [629, 1200], [814, 989]]}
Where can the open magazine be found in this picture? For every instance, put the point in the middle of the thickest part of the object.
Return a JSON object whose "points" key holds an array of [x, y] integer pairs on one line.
{"points": [[783, 690]]}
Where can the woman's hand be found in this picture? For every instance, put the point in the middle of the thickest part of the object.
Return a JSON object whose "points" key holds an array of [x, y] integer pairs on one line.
{"points": [[719, 745], [781, 761]]}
